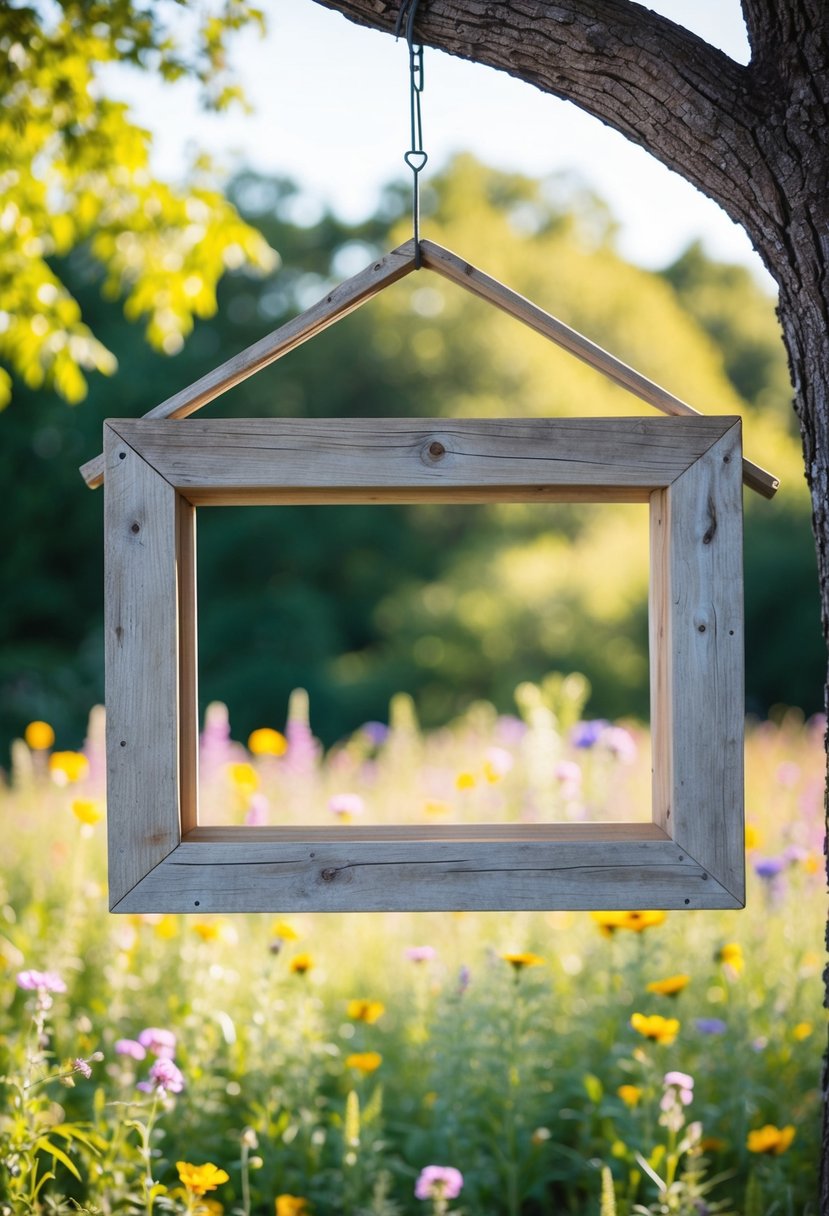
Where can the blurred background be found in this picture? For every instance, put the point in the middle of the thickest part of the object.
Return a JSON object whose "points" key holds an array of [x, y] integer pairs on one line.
{"points": [[451, 605]]}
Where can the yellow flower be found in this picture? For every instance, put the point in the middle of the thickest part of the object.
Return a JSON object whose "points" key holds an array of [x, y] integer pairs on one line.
{"points": [[754, 837], [166, 927], [802, 1031], [465, 781], [364, 1061], [812, 863], [244, 776], [671, 986], [200, 1178], [363, 1010], [434, 806], [291, 1205], [39, 736], [630, 1095], [731, 955], [86, 811], [208, 1207], [284, 931], [208, 930], [770, 1139], [636, 922], [491, 772], [267, 742], [520, 960], [301, 963], [655, 1027], [68, 767]]}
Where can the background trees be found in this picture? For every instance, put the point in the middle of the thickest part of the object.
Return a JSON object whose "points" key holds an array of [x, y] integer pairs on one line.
{"points": [[449, 605]]}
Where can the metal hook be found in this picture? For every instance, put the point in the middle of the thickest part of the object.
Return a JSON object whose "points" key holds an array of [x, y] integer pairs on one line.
{"points": [[416, 156]]}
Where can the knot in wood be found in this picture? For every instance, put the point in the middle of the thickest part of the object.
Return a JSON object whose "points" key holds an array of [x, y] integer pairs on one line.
{"points": [[436, 449]]}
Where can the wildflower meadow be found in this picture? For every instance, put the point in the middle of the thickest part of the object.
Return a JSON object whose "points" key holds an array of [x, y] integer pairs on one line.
{"points": [[489, 1064]]}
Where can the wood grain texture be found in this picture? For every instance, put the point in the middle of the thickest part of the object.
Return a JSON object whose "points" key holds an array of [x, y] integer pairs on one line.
{"points": [[373, 279], [188, 649], [704, 709], [660, 640], [334, 875], [475, 281], [338, 303], [205, 458], [142, 673]]}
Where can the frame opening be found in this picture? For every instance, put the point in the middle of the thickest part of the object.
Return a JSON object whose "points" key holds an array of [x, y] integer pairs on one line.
{"points": [[690, 855]]}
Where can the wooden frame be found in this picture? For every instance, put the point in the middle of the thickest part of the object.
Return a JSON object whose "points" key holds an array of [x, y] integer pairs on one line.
{"points": [[375, 278], [690, 856]]}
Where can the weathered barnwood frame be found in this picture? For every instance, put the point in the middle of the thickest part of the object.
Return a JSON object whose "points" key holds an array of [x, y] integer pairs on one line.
{"points": [[157, 473], [375, 278]]}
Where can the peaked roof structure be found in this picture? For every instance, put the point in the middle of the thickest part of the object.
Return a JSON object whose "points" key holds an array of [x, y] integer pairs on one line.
{"points": [[368, 283]]}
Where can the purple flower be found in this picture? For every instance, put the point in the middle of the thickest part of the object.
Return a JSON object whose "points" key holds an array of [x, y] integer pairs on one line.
{"points": [[710, 1025], [164, 1077], [439, 1182], [769, 867], [40, 981], [215, 749], [464, 978], [80, 1065], [795, 853], [131, 1048], [510, 730], [303, 749], [587, 734], [420, 954], [158, 1042], [377, 732]]}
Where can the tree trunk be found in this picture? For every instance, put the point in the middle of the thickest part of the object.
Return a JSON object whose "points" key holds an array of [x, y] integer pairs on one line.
{"points": [[753, 138]]}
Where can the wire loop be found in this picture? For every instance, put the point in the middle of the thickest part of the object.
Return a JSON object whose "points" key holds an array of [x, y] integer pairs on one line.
{"points": [[416, 157]]}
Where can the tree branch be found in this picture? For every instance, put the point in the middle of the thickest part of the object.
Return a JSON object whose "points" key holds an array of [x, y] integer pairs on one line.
{"points": [[657, 83]]}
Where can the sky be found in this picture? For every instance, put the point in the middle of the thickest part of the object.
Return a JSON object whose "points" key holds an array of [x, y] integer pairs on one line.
{"points": [[330, 109]]}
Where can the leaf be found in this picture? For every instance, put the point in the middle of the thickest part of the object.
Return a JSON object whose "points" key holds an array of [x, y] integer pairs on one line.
{"points": [[593, 1088], [46, 1146], [652, 1174]]}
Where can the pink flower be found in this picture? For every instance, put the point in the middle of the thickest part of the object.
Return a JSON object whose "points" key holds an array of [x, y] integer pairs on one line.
{"points": [[346, 805], [164, 1077], [684, 1086], [131, 1048], [568, 773], [439, 1182], [40, 981], [620, 743], [499, 760], [257, 813], [420, 954], [158, 1042], [80, 1065]]}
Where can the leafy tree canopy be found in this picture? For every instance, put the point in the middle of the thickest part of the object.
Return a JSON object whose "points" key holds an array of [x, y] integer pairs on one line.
{"points": [[74, 170]]}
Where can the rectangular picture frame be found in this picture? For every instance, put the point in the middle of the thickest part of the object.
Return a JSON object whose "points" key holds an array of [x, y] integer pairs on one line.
{"points": [[691, 854]]}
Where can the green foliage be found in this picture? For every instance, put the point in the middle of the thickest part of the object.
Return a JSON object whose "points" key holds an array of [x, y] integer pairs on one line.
{"points": [[75, 171], [528, 1077]]}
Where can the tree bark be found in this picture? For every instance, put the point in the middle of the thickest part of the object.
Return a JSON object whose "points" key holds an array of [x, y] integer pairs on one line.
{"points": [[754, 138]]}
